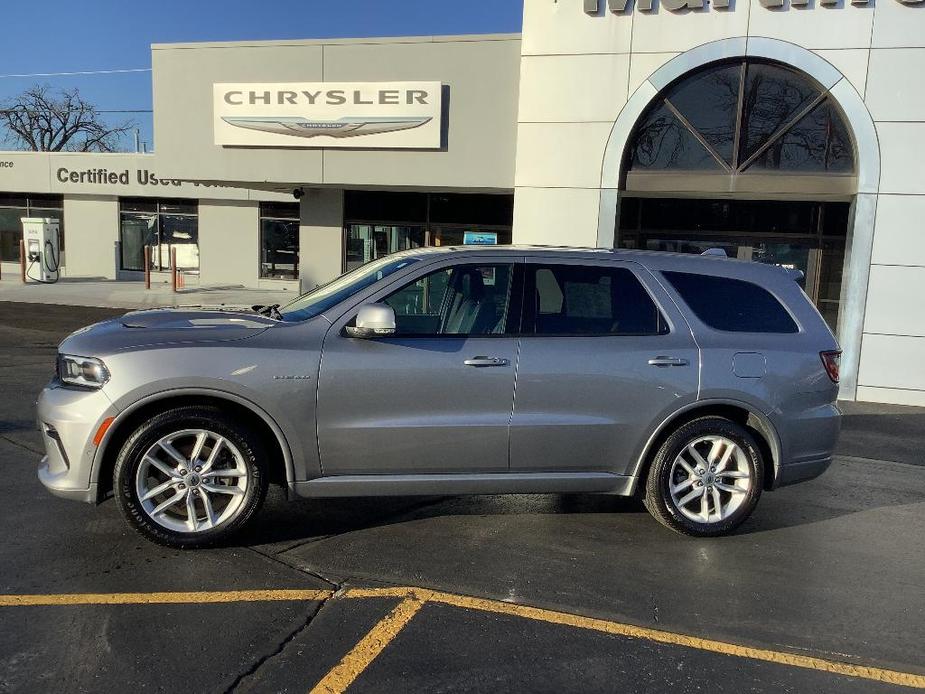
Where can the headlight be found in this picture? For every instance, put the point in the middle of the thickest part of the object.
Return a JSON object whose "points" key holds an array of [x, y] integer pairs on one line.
{"points": [[85, 372]]}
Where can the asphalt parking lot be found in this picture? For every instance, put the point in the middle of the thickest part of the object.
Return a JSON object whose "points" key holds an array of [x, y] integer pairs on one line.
{"points": [[822, 590]]}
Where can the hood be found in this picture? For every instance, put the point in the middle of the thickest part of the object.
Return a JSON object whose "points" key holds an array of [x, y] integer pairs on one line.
{"points": [[173, 319], [165, 326]]}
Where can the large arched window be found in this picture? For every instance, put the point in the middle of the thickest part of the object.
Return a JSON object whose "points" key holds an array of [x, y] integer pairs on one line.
{"points": [[732, 125]]}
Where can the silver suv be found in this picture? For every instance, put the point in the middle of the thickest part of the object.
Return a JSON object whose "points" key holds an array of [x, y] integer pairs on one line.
{"points": [[696, 382]]}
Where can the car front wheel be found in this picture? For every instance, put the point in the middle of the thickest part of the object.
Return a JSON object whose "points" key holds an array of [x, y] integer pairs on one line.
{"points": [[190, 477], [706, 478]]}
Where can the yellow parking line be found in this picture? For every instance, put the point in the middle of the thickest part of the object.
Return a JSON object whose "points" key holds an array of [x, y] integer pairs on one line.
{"points": [[906, 679], [390, 592], [162, 598], [360, 656], [659, 636], [412, 599]]}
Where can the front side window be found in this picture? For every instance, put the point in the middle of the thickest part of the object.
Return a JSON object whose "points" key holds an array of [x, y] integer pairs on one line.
{"points": [[732, 305], [279, 240], [589, 300], [459, 300]]}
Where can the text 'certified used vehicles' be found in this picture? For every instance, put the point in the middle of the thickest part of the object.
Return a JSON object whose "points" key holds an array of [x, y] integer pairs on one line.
{"points": [[698, 382]]}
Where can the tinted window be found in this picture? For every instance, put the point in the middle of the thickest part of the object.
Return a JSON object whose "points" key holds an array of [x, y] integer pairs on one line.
{"points": [[710, 100], [472, 208], [662, 141], [773, 96], [817, 142], [733, 305], [279, 240], [461, 300], [753, 117], [384, 207], [588, 300]]}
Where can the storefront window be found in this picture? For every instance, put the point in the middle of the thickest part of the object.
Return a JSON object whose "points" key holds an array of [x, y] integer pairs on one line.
{"points": [[162, 224], [13, 207], [795, 234], [367, 242], [279, 240], [380, 223], [742, 117]]}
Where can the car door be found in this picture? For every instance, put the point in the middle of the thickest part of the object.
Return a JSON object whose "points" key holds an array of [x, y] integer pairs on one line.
{"points": [[603, 356], [435, 397]]}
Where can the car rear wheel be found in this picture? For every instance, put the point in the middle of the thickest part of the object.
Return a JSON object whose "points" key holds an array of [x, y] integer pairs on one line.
{"points": [[706, 478], [190, 477]]}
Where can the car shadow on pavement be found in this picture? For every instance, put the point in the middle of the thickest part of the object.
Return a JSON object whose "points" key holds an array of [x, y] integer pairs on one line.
{"points": [[309, 519], [841, 491]]}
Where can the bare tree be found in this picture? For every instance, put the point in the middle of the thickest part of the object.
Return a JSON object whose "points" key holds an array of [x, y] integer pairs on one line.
{"points": [[58, 121]]}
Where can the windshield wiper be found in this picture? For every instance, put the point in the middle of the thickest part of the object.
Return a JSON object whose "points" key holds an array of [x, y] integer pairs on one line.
{"points": [[269, 310]]}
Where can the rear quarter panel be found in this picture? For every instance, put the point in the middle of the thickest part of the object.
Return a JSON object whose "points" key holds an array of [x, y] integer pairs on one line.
{"points": [[779, 374]]}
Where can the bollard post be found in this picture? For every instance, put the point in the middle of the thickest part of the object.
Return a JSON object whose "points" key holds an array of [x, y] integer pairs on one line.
{"points": [[147, 267], [22, 260], [173, 268]]}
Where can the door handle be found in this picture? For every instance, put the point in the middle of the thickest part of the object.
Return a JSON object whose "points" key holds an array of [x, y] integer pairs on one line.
{"points": [[667, 361], [486, 361]]}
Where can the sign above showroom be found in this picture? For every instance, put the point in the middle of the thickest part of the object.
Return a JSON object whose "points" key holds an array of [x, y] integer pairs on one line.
{"points": [[354, 115], [620, 6]]}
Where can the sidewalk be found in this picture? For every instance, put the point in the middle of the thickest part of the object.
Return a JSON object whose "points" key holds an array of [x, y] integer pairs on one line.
{"points": [[121, 294]]}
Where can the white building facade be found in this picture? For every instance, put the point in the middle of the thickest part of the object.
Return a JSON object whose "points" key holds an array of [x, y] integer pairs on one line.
{"points": [[590, 75]]}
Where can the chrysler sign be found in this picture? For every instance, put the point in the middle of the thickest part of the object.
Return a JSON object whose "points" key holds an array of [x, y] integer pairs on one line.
{"points": [[402, 115]]}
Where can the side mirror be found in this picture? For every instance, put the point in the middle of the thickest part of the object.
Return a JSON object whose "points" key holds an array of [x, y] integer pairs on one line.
{"points": [[373, 320]]}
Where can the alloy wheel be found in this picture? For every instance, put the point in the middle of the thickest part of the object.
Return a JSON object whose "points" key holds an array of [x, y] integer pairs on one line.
{"points": [[710, 479], [192, 481]]}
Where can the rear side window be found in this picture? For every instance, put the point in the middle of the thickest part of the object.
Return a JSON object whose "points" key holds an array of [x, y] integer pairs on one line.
{"points": [[732, 305], [589, 300]]}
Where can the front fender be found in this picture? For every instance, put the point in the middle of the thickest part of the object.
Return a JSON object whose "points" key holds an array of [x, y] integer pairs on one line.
{"points": [[286, 442]]}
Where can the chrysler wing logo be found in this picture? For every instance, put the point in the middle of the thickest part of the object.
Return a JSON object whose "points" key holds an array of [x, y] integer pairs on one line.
{"points": [[341, 127]]}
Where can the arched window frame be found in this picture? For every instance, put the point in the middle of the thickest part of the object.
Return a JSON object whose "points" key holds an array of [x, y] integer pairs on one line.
{"points": [[736, 176]]}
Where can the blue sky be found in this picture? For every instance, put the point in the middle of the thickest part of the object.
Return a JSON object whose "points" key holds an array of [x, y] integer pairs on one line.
{"points": [[61, 36]]}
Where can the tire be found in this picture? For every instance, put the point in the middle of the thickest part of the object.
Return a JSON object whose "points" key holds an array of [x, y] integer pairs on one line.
{"points": [[214, 495], [677, 468]]}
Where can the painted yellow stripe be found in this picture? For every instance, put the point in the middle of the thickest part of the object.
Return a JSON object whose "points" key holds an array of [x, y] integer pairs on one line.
{"points": [[390, 592], [632, 631], [198, 597], [360, 656], [412, 600]]}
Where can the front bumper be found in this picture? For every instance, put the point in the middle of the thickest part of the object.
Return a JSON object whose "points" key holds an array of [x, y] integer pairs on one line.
{"points": [[68, 419]]}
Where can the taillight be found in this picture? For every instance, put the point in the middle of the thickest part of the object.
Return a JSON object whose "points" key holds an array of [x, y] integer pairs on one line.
{"points": [[831, 361]]}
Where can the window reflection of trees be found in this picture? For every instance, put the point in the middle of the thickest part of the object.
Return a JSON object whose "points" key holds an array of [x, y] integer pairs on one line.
{"points": [[743, 117], [709, 103], [818, 142], [665, 143]]}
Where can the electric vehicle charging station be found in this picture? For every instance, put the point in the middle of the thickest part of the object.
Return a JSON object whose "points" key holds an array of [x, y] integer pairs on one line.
{"points": [[40, 241]]}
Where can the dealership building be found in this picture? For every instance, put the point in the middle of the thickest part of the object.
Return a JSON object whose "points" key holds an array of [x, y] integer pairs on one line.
{"points": [[782, 131]]}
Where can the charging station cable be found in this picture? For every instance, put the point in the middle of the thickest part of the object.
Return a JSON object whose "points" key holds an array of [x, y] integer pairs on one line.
{"points": [[52, 265]]}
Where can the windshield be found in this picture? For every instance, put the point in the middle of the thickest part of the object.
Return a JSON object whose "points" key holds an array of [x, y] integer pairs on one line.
{"points": [[327, 295]]}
